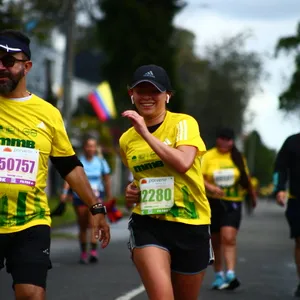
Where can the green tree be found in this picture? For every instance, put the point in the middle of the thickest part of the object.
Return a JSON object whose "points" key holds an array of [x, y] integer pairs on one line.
{"points": [[219, 84], [11, 14], [289, 99], [33, 17], [260, 158], [192, 71], [133, 33], [38, 18], [233, 78]]}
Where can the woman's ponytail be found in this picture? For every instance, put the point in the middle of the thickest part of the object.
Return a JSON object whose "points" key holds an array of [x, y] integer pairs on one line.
{"points": [[238, 160]]}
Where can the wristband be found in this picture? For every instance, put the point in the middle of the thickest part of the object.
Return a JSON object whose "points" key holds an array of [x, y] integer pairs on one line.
{"points": [[98, 208]]}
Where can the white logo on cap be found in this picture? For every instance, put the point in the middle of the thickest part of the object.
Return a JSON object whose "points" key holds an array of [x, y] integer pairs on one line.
{"points": [[149, 74], [9, 48]]}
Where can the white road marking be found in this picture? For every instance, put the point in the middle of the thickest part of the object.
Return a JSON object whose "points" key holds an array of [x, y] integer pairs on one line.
{"points": [[131, 294]]}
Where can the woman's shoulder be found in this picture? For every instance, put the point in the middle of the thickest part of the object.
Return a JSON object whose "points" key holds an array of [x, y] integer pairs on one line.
{"points": [[127, 134], [181, 119], [181, 116]]}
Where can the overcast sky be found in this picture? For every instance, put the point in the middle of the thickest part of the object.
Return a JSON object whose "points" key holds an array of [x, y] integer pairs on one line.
{"points": [[268, 20]]}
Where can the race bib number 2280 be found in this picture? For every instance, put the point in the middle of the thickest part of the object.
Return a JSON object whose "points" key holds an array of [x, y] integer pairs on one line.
{"points": [[157, 195]]}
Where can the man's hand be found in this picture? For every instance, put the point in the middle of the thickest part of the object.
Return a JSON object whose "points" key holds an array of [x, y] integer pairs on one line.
{"points": [[132, 194], [101, 229], [281, 198]]}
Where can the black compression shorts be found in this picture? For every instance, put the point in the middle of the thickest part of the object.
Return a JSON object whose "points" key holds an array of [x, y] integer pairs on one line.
{"points": [[189, 245]]}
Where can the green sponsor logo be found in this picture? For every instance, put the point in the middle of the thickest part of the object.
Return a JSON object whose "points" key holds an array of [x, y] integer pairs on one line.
{"points": [[29, 131], [17, 143], [10, 130], [14, 130], [144, 156], [148, 166]]}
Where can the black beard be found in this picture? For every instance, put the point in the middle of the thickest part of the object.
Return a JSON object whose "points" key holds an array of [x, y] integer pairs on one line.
{"points": [[11, 84]]}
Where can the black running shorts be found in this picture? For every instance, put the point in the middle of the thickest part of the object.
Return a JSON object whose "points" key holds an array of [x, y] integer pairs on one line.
{"points": [[189, 245], [27, 255], [293, 217], [225, 213]]}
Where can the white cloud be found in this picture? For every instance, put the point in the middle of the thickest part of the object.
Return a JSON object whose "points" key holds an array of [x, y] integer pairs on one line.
{"points": [[212, 25], [274, 126], [249, 9]]}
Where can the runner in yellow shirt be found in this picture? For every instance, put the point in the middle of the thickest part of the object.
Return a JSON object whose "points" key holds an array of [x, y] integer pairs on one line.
{"points": [[170, 239], [31, 132], [225, 175]]}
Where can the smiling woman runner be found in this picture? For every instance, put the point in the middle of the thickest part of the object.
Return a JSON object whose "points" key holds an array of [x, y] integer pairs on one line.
{"points": [[169, 227]]}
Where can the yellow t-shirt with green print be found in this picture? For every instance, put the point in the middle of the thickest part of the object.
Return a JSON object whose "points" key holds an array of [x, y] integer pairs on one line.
{"points": [[31, 130], [190, 203], [219, 169]]}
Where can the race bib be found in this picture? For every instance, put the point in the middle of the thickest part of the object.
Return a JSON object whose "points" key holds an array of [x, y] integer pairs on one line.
{"points": [[224, 178], [157, 195], [18, 165]]}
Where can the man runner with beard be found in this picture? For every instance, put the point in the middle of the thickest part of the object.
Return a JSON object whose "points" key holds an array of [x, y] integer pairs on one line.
{"points": [[31, 132]]}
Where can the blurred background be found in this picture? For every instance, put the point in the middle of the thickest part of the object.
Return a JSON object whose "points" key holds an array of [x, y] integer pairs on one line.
{"points": [[232, 63]]}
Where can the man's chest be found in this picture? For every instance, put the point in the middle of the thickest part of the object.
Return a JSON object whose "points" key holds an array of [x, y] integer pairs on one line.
{"points": [[30, 133]]}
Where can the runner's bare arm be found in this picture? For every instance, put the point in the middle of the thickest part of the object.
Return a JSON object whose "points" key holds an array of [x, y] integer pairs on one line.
{"points": [[281, 168], [213, 189], [107, 186], [79, 183], [209, 186], [65, 192], [66, 185], [180, 158]]}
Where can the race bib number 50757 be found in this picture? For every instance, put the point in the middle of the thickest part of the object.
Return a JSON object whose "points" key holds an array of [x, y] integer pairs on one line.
{"points": [[18, 165]]}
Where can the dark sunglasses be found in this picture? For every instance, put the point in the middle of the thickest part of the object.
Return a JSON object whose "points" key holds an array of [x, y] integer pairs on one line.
{"points": [[9, 61]]}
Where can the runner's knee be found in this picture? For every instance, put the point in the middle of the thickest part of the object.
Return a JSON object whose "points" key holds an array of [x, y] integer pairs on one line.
{"points": [[228, 240]]}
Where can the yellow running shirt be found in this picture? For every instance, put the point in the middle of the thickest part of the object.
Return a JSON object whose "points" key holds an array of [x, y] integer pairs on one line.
{"points": [[31, 130], [190, 203], [219, 169]]}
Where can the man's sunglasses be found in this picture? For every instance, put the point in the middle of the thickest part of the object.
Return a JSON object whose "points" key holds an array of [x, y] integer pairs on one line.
{"points": [[9, 61]]}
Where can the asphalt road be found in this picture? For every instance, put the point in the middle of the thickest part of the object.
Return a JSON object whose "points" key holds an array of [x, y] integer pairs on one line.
{"points": [[265, 265]]}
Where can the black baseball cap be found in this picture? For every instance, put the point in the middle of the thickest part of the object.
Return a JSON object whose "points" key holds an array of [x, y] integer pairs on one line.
{"points": [[154, 74], [12, 44], [226, 133]]}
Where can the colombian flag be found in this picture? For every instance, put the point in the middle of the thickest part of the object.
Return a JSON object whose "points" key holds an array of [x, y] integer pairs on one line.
{"points": [[102, 101]]}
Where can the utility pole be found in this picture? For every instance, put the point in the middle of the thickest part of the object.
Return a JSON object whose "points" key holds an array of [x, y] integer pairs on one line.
{"points": [[68, 63]]}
